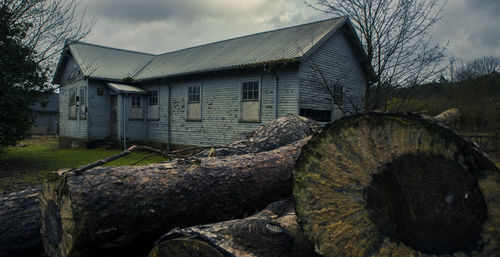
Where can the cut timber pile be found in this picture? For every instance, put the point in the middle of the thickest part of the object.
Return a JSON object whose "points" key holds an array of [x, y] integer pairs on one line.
{"points": [[268, 136], [128, 208], [273, 232], [369, 185], [396, 185], [19, 224]]}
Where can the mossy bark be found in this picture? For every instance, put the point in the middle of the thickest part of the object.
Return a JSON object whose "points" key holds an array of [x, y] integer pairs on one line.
{"points": [[110, 211], [19, 224], [396, 185], [273, 232]]}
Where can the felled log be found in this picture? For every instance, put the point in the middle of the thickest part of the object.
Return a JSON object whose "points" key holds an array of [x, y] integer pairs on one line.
{"points": [[110, 211], [273, 232], [396, 185], [268, 136], [448, 117], [19, 224]]}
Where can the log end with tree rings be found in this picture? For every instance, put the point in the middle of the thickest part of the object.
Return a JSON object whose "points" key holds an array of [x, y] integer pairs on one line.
{"points": [[382, 184]]}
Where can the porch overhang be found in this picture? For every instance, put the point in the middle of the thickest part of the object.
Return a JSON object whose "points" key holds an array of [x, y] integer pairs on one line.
{"points": [[126, 89]]}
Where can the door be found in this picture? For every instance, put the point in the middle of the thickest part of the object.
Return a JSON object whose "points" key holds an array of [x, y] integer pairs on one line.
{"points": [[113, 116]]}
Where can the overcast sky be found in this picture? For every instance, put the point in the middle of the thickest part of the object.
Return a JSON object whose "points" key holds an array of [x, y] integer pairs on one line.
{"points": [[471, 27]]}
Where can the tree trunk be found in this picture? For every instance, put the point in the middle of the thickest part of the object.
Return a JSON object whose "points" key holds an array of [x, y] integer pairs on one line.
{"points": [[20, 224], [396, 185], [268, 136], [273, 232], [116, 210]]}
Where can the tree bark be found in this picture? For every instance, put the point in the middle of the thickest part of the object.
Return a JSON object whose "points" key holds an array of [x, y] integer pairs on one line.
{"points": [[273, 232], [19, 224], [123, 210], [268, 136], [396, 185]]}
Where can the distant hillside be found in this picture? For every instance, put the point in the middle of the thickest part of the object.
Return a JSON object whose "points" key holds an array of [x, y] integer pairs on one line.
{"points": [[477, 98]]}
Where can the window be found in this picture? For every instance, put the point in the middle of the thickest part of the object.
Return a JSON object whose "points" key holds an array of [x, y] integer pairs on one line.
{"points": [[72, 104], [250, 106], [136, 102], [250, 91], [83, 109], [153, 113], [194, 94], [153, 97], [338, 93], [193, 112], [136, 110], [317, 115]]}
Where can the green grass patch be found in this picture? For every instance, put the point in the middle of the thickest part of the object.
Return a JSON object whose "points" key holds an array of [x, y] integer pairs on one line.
{"points": [[27, 164]]}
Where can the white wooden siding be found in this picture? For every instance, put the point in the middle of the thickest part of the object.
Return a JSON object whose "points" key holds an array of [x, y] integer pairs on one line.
{"points": [[220, 103], [98, 110], [75, 128], [338, 63]]}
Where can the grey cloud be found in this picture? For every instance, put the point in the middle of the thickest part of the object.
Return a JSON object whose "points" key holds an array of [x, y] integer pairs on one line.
{"points": [[132, 11], [491, 6]]}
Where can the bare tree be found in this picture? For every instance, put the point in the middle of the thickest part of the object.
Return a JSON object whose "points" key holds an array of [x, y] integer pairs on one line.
{"points": [[395, 36], [477, 67], [51, 24]]}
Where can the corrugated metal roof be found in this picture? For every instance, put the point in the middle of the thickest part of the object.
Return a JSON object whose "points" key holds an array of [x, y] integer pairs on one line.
{"points": [[121, 88], [283, 44], [287, 44], [108, 63]]}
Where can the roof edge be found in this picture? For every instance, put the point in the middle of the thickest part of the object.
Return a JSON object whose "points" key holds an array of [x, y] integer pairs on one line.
{"points": [[325, 38]]}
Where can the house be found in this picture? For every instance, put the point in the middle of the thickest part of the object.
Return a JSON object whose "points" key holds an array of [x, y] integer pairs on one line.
{"points": [[46, 116], [210, 94]]}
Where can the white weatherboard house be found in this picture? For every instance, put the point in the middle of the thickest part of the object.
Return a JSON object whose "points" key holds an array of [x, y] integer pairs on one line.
{"points": [[209, 94]]}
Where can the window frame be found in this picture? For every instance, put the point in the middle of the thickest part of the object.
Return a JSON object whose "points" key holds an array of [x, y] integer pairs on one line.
{"points": [[338, 94], [153, 102], [82, 105], [194, 96], [135, 103], [153, 97], [255, 93], [72, 115], [256, 97]]}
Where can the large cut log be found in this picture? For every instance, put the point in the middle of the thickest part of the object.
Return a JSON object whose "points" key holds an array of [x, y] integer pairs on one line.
{"points": [[128, 208], [273, 232], [19, 224], [396, 185], [268, 136]]}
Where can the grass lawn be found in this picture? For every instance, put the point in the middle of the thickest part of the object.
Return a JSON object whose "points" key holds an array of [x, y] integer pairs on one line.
{"points": [[26, 164]]}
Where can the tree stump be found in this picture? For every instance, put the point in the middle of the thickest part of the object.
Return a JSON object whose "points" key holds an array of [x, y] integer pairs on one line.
{"points": [[273, 232], [109, 211], [396, 185]]}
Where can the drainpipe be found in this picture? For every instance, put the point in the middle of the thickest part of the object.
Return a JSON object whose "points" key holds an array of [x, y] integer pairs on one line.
{"points": [[124, 101], [275, 95], [168, 118]]}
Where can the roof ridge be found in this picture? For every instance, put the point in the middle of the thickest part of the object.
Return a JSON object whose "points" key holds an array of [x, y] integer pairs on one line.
{"points": [[146, 64], [258, 33], [113, 48]]}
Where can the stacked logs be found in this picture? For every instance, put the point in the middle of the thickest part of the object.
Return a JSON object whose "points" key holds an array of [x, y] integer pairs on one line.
{"points": [[368, 185]]}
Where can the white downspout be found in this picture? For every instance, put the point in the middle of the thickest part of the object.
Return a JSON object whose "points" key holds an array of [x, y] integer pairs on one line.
{"points": [[124, 101], [275, 96]]}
